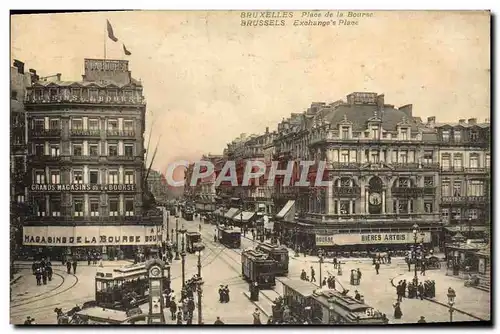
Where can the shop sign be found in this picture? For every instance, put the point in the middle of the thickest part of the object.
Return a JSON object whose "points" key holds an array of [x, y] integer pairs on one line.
{"points": [[371, 238], [91, 235], [83, 187]]}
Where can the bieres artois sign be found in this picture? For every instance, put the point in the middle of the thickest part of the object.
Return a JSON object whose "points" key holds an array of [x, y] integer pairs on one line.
{"points": [[371, 238], [91, 235]]}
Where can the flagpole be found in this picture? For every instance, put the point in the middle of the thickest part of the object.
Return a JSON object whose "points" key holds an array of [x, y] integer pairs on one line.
{"points": [[105, 42]]}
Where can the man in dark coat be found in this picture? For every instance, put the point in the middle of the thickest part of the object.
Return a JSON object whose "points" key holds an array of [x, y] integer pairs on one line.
{"points": [[226, 294], [75, 263], [421, 291], [221, 291], [313, 273], [218, 321], [403, 288], [422, 320], [68, 266], [173, 308], [377, 267], [357, 296]]}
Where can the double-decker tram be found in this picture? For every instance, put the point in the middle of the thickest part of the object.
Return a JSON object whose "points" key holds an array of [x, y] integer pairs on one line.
{"points": [[309, 304], [278, 254], [258, 267], [229, 236]]}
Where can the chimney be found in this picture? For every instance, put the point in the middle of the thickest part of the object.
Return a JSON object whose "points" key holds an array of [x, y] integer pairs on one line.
{"points": [[267, 129], [350, 99], [472, 121], [19, 65], [461, 121], [34, 76], [380, 102], [58, 76], [407, 109], [431, 120]]}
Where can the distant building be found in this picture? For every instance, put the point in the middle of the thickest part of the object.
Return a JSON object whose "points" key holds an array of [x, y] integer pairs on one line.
{"points": [[158, 186]]}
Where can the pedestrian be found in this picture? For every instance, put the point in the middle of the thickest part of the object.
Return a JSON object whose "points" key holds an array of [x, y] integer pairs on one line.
{"points": [[357, 296], [422, 268], [189, 319], [218, 321], [334, 263], [226, 293], [179, 317], [399, 291], [313, 278], [359, 275], [421, 291], [397, 311], [408, 263], [324, 282], [89, 258], [28, 321], [75, 263], [173, 308], [191, 307], [68, 266], [389, 257], [333, 283], [377, 267], [44, 275], [256, 317], [403, 288], [221, 292], [38, 276], [422, 320], [303, 275]]}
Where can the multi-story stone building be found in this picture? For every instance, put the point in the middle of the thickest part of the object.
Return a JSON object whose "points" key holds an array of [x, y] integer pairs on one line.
{"points": [[465, 175], [86, 163], [19, 81], [157, 185]]}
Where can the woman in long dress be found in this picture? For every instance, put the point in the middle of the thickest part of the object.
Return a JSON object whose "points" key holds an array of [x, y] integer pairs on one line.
{"points": [[397, 311]]}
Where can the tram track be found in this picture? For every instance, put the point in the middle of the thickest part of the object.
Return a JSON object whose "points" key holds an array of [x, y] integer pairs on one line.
{"points": [[46, 292]]}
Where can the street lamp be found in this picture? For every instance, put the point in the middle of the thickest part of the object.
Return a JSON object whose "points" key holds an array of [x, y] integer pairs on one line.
{"points": [[199, 284], [470, 225], [241, 220], [177, 238], [451, 301], [183, 256], [415, 238], [296, 242], [320, 255]]}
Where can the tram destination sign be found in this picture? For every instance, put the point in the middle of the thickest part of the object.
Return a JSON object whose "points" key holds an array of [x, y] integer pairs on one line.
{"points": [[91, 235], [83, 188], [371, 238]]}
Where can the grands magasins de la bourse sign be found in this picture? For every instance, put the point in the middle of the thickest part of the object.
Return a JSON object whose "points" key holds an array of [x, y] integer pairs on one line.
{"points": [[83, 187]]}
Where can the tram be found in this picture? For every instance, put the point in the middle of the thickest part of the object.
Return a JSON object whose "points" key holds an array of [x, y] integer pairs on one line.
{"points": [[229, 236], [278, 254], [193, 242], [308, 303], [258, 267], [188, 214]]}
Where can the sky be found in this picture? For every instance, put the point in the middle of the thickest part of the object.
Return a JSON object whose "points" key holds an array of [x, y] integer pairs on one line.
{"points": [[207, 79]]}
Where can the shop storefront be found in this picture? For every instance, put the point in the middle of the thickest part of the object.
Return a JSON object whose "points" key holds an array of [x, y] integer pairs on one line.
{"points": [[112, 242]]}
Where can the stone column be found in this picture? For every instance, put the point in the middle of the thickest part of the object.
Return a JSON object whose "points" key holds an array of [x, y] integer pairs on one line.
{"points": [[366, 201], [383, 201], [351, 204], [362, 207], [329, 199], [338, 207]]}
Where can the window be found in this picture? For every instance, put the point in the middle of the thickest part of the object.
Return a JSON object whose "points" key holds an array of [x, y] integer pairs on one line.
{"points": [[403, 206], [93, 124], [375, 157], [428, 207], [457, 161], [487, 161], [128, 125], [457, 136], [446, 135], [94, 177], [394, 157], [375, 132], [344, 156], [40, 177], [345, 182], [475, 188], [54, 150], [345, 132], [403, 157], [129, 177], [474, 161], [40, 207], [457, 188], [344, 207], [456, 213], [77, 124], [129, 150], [77, 177], [77, 150], [404, 134], [78, 207], [112, 150], [20, 198], [428, 157], [428, 181], [94, 150], [94, 208], [54, 124], [445, 162], [113, 207], [55, 177], [474, 135], [472, 213], [129, 207], [39, 149], [55, 208], [445, 215], [39, 124], [445, 188], [112, 124], [19, 165], [403, 183], [113, 177]]}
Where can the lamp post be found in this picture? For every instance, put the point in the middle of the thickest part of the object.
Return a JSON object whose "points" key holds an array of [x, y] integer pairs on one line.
{"points": [[168, 228], [415, 238], [451, 301], [470, 226], [320, 255], [241, 220], [296, 242], [183, 256], [177, 238], [200, 289]]}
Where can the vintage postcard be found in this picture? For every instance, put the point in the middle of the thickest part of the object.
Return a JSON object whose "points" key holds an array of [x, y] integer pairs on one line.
{"points": [[250, 167]]}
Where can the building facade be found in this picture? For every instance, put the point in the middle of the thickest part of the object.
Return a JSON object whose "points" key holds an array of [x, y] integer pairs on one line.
{"points": [[86, 159], [158, 186]]}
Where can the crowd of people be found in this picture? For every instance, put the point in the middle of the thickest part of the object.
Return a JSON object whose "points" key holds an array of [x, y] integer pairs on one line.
{"points": [[42, 271]]}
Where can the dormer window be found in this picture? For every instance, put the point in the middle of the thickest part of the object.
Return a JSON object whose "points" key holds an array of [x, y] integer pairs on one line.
{"points": [[446, 135], [375, 131], [345, 132], [457, 135]]}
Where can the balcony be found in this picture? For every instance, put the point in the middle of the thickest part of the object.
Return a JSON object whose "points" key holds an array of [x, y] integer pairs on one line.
{"points": [[44, 158], [408, 192], [144, 219], [430, 191], [409, 218], [85, 158], [477, 170], [75, 99], [85, 133], [344, 165], [464, 199], [122, 158], [120, 133], [45, 133], [346, 191]]}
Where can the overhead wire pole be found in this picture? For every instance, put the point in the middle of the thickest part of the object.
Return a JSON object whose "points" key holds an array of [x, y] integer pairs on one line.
{"points": [[152, 159], [105, 27]]}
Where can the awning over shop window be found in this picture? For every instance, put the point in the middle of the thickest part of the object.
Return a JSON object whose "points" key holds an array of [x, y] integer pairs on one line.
{"points": [[231, 213], [465, 228], [244, 216], [288, 212]]}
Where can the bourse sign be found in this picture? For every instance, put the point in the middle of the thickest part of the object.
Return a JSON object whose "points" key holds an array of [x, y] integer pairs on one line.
{"points": [[91, 235]]}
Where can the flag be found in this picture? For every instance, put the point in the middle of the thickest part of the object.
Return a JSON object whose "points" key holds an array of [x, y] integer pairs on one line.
{"points": [[111, 35], [127, 52]]}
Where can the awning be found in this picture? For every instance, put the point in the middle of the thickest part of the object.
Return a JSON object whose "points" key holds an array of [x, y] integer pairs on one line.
{"points": [[231, 213], [465, 228], [288, 211], [244, 216], [235, 199]]}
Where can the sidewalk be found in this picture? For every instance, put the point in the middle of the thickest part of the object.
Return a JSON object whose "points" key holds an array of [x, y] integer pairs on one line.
{"points": [[108, 263], [469, 301]]}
